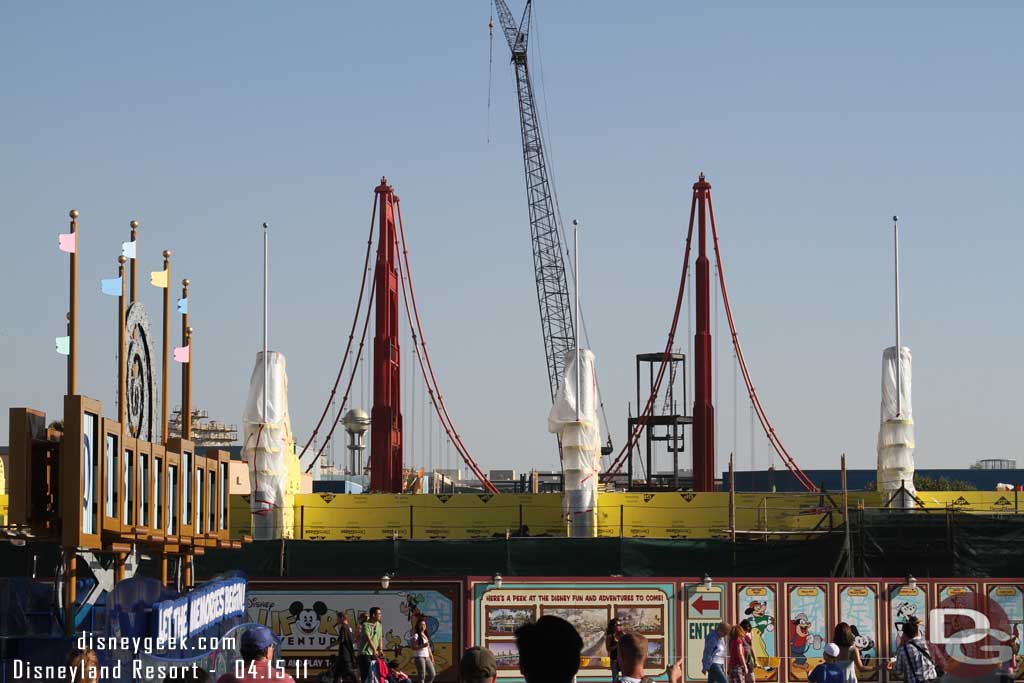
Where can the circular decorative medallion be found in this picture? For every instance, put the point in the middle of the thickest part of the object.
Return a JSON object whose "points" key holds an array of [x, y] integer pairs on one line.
{"points": [[141, 387]]}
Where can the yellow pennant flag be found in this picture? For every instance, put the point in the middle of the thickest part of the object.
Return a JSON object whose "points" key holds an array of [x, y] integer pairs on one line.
{"points": [[158, 279]]}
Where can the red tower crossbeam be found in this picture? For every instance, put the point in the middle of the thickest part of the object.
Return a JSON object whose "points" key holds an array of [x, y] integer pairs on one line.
{"points": [[703, 408], [386, 414]]}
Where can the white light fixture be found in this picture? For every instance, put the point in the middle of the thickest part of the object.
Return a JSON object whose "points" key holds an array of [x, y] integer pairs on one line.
{"points": [[496, 580], [911, 581], [706, 581], [385, 581]]}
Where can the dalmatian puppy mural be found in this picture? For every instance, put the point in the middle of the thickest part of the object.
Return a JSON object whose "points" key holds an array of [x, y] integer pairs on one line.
{"points": [[307, 620]]}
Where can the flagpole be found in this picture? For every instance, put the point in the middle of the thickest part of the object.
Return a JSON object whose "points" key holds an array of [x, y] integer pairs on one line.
{"points": [[576, 330], [186, 424], [186, 409], [899, 350], [135, 262], [121, 408], [73, 319], [165, 368], [266, 325]]}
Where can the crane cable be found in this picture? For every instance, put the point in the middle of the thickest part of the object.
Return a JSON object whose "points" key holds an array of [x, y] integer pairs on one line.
{"points": [[433, 389], [762, 416], [351, 334], [490, 72], [550, 156], [642, 418]]}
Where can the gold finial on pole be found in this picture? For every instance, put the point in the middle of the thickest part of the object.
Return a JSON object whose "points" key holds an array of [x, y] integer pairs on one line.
{"points": [[73, 315], [165, 367], [186, 375], [135, 261], [121, 389]]}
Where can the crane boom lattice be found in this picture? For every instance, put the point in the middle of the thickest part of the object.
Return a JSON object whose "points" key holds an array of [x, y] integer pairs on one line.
{"points": [[545, 228]]}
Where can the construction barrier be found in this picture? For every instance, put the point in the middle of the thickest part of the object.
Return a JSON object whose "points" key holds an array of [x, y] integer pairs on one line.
{"points": [[678, 515], [792, 619]]}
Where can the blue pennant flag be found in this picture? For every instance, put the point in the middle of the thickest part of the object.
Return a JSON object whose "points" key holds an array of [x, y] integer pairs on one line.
{"points": [[183, 306], [63, 345], [128, 249], [111, 286]]}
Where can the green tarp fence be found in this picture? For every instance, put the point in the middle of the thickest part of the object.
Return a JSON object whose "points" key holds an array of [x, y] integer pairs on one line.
{"points": [[881, 543]]}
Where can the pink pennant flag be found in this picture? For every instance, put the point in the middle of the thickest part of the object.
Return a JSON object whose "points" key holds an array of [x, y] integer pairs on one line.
{"points": [[66, 242], [181, 354]]}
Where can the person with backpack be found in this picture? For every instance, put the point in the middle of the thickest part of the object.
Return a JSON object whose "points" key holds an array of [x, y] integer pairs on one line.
{"points": [[828, 671], [914, 661]]}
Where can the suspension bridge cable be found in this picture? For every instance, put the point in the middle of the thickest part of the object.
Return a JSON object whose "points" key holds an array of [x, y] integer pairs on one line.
{"points": [[432, 385], [351, 377], [351, 333], [769, 430], [643, 416]]}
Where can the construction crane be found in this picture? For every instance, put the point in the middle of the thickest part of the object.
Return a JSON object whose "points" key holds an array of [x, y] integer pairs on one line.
{"points": [[545, 224]]}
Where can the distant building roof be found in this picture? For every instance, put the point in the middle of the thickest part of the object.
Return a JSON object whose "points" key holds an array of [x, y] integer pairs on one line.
{"points": [[857, 480]]}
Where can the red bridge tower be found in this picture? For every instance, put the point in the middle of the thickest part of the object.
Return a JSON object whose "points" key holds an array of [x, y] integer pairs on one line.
{"points": [[386, 415]]}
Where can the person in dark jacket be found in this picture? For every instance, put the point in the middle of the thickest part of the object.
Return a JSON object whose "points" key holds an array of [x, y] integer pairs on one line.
{"points": [[345, 665]]}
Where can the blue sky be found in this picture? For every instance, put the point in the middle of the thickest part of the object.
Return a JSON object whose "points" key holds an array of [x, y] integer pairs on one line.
{"points": [[814, 124]]}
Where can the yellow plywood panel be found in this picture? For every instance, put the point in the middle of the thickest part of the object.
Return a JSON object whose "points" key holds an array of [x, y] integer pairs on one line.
{"points": [[330, 516], [974, 501], [706, 515], [327, 516]]}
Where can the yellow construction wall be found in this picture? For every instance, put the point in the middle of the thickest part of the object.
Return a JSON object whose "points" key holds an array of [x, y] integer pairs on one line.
{"points": [[3, 509], [343, 517], [706, 515], [328, 516]]}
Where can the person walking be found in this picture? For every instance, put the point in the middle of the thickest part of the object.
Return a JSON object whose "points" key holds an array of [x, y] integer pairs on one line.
{"points": [[848, 658], [914, 661], [737, 655], [612, 636], [345, 664], [1008, 672], [423, 653], [713, 661], [372, 643], [748, 638]]}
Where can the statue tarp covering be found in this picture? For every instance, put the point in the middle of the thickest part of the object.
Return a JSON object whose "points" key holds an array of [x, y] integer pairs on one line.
{"points": [[581, 443], [896, 431], [269, 449]]}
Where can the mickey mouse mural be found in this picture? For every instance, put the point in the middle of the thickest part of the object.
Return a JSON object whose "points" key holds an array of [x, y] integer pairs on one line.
{"points": [[307, 620]]}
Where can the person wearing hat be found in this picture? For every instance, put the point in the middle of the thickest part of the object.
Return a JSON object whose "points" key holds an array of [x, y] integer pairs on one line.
{"points": [[257, 649], [828, 671], [478, 666]]}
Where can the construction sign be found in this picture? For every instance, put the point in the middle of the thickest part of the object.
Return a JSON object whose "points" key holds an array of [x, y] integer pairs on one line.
{"points": [[705, 609]]}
